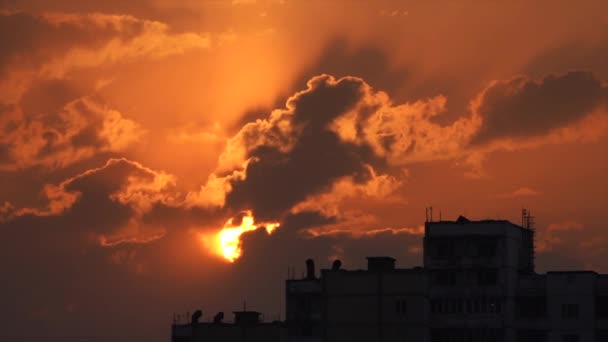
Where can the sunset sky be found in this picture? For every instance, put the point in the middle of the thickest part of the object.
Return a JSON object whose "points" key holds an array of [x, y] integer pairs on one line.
{"points": [[139, 139]]}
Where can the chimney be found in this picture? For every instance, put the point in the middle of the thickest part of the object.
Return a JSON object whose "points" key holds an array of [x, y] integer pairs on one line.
{"points": [[196, 316], [380, 264], [335, 266], [310, 269]]}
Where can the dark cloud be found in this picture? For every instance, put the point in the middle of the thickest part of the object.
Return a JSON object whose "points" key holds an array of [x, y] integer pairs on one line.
{"points": [[104, 204], [521, 107], [179, 15], [305, 219], [48, 97], [40, 38], [277, 179], [574, 54], [59, 281], [340, 58]]}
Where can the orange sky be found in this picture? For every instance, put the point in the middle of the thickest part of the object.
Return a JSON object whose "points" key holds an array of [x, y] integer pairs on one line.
{"points": [[132, 132]]}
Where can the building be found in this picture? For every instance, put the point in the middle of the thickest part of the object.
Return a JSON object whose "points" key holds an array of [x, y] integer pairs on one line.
{"points": [[247, 327], [381, 303], [473, 269], [477, 283]]}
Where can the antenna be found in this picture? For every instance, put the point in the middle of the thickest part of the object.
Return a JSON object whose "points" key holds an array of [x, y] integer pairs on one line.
{"points": [[527, 220], [428, 211], [244, 305]]}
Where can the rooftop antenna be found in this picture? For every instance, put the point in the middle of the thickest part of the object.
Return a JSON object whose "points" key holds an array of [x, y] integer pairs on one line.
{"points": [[244, 305], [429, 214], [527, 220]]}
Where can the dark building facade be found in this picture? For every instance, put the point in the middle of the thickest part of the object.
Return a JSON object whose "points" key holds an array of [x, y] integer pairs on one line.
{"points": [[478, 283]]}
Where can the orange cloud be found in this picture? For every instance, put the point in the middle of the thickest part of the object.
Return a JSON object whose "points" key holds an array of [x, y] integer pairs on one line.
{"points": [[556, 234], [565, 226], [416, 231], [519, 192], [154, 41], [55, 44], [404, 133], [81, 129], [105, 241]]}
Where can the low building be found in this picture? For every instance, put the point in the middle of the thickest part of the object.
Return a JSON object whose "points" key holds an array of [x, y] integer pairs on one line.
{"points": [[247, 327], [380, 303]]}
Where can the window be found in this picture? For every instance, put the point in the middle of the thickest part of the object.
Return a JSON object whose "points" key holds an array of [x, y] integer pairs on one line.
{"points": [[570, 338], [401, 307], [569, 311]]}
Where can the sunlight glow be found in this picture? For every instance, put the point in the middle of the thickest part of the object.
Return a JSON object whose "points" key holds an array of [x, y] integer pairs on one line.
{"points": [[227, 243]]}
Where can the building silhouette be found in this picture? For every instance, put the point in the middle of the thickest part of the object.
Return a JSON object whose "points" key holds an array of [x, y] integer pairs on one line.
{"points": [[478, 283]]}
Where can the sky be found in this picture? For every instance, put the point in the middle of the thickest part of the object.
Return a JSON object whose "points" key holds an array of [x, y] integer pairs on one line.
{"points": [[157, 157]]}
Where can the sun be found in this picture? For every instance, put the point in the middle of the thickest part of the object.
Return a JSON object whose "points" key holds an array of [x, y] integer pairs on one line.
{"points": [[226, 243]]}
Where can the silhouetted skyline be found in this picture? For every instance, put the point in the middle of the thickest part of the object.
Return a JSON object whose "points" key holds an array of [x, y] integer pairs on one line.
{"points": [[478, 283], [157, 154]]}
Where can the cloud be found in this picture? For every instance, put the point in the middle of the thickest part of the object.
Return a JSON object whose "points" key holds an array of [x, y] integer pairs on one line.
{"points": [[571, 244], [109, 202], [337, 147], [370, 232], [340, 139], [56, 135], [522, 108], [341, 58], [69, 40], [338, 135], [519, 192], [565, 226], [153, 41], [52, 45]]}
